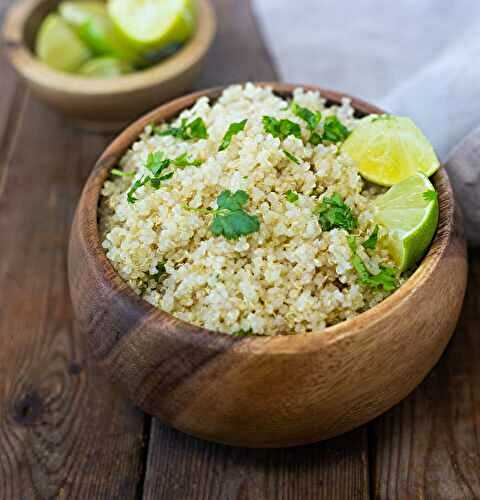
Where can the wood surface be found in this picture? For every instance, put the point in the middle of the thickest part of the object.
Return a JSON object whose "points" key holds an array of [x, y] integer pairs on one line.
{"points": [[103, 103], [425, 448]]}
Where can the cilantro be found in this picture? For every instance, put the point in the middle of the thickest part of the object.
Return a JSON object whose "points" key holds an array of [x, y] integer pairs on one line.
{"points": [[385, 279], [281, 128], [243, 333], [291, 157], [160, 271], [371, 241], [334, 130], [315, 139], [157, 163], [184, 161], [234, 128], [291, 196], [312, 118], [230, 219], [121, 173], [430, 195], [136, 185], [333, 212], [195, 129]]}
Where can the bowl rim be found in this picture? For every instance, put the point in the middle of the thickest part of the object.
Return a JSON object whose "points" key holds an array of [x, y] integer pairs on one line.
{"points": [[87, 215], [31, 68]]}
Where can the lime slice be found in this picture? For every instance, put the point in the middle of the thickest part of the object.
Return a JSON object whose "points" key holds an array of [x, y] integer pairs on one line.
{"points": [[93, 25], [388, 149], [153, 24], [58, 46], [105, 67], [409, 212]]}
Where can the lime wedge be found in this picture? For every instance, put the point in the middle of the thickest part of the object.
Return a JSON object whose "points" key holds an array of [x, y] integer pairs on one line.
{"points": [[388, 149], [58, 46], [105, 67], [409, 212], [153, 24], [93, 25]]}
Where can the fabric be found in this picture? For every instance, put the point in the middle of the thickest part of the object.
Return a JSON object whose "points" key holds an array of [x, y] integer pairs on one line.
{"points": [[419, 58]]}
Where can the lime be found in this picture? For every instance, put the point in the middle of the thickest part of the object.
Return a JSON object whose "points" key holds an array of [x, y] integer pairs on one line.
{"points": [[409, 212], [105, 67], [58, 46], [388, 149], [153, 24], [92, 23]]}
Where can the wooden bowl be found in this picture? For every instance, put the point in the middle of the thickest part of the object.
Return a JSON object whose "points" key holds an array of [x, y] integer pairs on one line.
{"points": [[102, 103], [264, 391]]}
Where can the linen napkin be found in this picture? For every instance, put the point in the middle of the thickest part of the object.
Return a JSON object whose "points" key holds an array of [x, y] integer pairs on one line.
{"points": [[419, 58]]}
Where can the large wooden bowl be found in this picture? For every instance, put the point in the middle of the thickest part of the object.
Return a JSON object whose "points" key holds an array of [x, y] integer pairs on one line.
{"points": [[102, 103], [264, 391]]}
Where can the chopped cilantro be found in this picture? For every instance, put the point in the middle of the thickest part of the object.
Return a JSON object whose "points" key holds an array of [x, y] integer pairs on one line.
{"points": [[291, 196], [371, 241], [430, 195], [315, 139], [230, 219], [312, 118], [334, 130], [243, 333], [185, 161], [157, 163], [136, 185], [386, 278], [333, 212], [121, 173], [234, 128], [291, 157], [281, 128], [195, 129]]}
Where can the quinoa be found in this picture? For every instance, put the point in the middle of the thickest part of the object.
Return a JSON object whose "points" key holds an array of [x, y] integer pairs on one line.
{"points": [[288, 277]]}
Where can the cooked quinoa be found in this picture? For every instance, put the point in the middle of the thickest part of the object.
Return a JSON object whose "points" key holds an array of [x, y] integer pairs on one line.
{"points": [[289, 276]]}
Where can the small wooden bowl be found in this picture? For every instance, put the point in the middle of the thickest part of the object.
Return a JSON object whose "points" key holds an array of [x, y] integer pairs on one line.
{"points": [[264, 391], [102, 104]]}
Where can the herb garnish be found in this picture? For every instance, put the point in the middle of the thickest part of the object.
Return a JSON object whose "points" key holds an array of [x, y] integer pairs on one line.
{"points": [[430, 195], [334, 130], [385, 279], [243, 333], [333, 212], [291, 157], [195, 129], [281, 128], [160, 271], [184, 161], [121, 173], [230, 219], [291, 196], [312, 118], [371, 241], [234, 128]]}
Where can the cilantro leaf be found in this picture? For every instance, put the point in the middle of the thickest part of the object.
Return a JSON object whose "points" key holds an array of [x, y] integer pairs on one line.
{"points": [[334, 130], [157, 163], [136, 185], [430, 195], [230, 219], [234, 128], [315, 139], [243, 333], [333, 212], [184, 161], [291, 196], [195, 129], [386, 278], [121, 173], [371, 241], [291, 157], [312, 118], [281, 128]]}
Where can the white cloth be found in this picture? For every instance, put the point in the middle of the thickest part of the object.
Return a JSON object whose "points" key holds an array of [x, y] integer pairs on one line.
{"points": [[419, 58]]}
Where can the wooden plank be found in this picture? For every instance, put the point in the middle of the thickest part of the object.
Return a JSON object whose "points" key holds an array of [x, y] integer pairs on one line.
{"points": [[182, 467], [63, 431], [185, 468], [428, 446]]}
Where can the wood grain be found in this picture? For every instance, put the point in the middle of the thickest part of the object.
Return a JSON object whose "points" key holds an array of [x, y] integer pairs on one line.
{"points": [[63, 431], [428, 446]]}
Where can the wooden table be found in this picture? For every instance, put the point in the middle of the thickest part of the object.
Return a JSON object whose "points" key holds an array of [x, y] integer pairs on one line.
{"points": [[65, 433]]}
